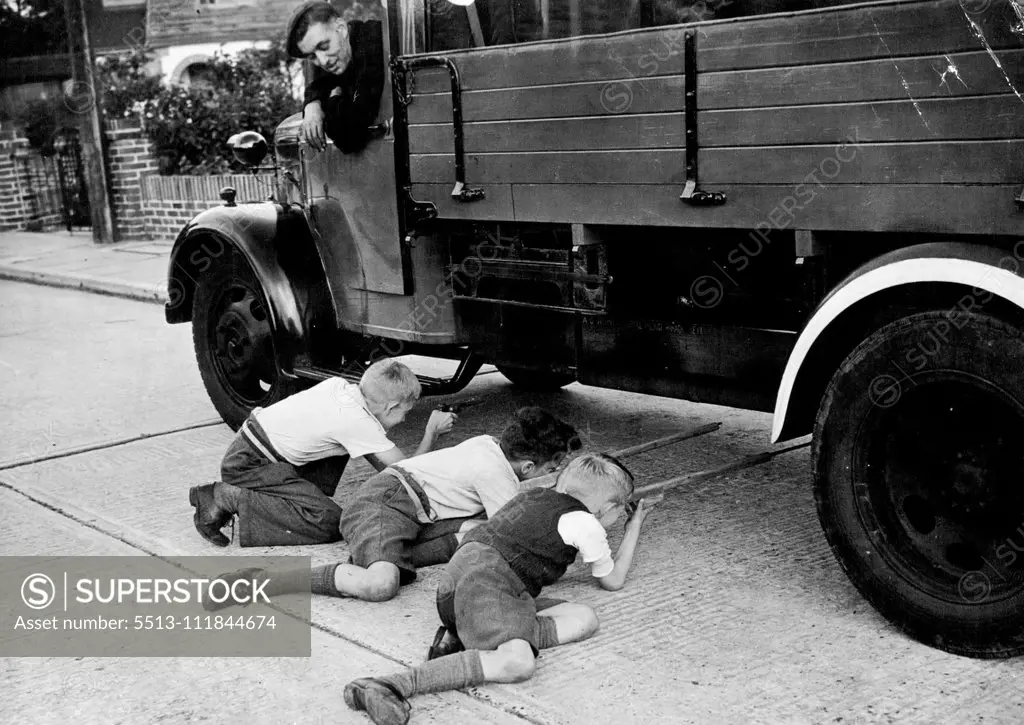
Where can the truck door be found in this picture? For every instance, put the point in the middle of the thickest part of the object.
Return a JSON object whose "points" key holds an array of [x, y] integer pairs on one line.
{"points": [[353, 208]]}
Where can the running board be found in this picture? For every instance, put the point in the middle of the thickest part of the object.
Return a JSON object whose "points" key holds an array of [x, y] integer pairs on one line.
{"points": [[467, 370]]}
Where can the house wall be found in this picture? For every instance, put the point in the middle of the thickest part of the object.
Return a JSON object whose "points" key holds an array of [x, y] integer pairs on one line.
{"points": [[219, 21]]}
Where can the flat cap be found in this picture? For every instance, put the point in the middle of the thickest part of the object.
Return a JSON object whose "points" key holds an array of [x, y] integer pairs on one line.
{"points": [[292, 43]]}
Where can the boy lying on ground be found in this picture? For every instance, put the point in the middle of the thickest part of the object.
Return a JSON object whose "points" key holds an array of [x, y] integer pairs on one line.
{"points": [[493, 625]]}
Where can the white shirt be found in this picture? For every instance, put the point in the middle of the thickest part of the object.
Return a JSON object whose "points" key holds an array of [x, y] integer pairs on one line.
{"points": [[329, 419], [466, 479], [582, 530]]}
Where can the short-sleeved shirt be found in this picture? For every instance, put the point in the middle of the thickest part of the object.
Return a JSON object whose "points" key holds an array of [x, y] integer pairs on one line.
{"points": [[329, 419], [581, 530], [466, 479]]}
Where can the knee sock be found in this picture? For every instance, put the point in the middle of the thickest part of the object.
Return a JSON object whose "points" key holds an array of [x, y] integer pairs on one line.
{"points": [[321, 580], [288, 581], [453, 672], [434, 551], [547, 633]]}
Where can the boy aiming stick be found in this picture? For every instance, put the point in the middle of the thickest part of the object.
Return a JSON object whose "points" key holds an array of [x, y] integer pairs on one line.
{"points": [[413, 513], [280, 472], [493, 625]]}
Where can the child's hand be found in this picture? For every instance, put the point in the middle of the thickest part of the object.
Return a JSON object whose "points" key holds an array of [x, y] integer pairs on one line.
{"points": [[440, 423], [643, 507]]}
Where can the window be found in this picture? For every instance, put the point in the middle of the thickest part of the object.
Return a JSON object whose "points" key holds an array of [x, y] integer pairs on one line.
{"points": [[453, 26], [197, 74]]}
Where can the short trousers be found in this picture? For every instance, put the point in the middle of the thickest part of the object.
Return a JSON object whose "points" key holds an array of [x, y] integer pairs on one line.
{"points": [[379, 524], [484, 602]]}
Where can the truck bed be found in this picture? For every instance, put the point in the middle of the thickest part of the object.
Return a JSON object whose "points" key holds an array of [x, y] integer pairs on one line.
{"points": [[884, 116]]}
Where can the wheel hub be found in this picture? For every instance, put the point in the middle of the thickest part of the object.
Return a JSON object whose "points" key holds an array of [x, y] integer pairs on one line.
{"points": [[242, 344], [235, 339], [943, 493]]}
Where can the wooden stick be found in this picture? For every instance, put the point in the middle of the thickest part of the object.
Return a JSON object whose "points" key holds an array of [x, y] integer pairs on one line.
{"points": [[549, 478], [748, 462], [667, 440]]}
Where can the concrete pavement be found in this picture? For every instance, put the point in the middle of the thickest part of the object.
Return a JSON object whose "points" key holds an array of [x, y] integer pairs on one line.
{"points": [[135, 270]]}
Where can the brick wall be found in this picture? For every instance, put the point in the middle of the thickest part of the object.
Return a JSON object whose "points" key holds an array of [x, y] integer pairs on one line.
{"points": [[131, 158], [29, 187], [169, 202], [145, 205], [12, 215], [149, 206]]}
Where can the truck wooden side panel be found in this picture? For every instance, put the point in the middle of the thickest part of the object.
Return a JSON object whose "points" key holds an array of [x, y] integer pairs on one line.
{"points": [[911, 109]]}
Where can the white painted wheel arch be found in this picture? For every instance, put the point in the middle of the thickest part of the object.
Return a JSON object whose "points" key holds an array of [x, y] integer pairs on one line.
{"points": [[984, 270]]}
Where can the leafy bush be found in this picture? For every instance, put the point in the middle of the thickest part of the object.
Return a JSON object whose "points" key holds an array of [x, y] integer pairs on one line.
{"points": [[123, 81], [32, 27], [189, 126]]}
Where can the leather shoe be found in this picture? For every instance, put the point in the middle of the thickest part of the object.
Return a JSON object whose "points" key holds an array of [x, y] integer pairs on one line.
{"points": [[379, 699], [208, 517], [247, 575], [444, 645]]}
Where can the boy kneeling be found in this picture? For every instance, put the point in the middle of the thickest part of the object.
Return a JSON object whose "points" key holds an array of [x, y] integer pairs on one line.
{"points": [[487, 597], [280, 473]]}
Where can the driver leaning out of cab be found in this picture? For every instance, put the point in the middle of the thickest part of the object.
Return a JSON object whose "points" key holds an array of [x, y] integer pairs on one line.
{"points": [[343, 97]]}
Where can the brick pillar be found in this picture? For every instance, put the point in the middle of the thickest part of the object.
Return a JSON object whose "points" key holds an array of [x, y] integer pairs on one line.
{"points": [[14, 207], [131, 158]]}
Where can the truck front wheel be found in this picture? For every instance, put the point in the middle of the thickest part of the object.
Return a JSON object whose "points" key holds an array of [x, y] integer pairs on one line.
{"points": [[233, 342], [919, 478]]}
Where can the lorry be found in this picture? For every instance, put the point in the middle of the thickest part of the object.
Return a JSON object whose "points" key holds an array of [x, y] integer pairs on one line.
{"points": [[812, 208]]}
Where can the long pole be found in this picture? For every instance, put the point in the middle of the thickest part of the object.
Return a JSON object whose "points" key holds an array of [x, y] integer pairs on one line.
{"points": [[83, 99], [701, 476], [549, 479]]}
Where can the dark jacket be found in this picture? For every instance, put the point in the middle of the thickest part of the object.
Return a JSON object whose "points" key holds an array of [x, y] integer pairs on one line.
{"points": [[348, 115]]}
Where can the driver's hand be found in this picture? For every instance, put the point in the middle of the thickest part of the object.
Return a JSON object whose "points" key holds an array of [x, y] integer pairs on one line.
{"points": [[312, 130]]}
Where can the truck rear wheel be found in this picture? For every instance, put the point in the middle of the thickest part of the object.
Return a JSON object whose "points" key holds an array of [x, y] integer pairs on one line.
{"points": [[233, 342], [919, 478], [536, 380]]}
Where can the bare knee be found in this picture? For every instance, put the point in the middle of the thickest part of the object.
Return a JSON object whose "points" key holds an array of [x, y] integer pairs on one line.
{"points": [[382, 583], [516, 662], [573, 622], [588, 621]]}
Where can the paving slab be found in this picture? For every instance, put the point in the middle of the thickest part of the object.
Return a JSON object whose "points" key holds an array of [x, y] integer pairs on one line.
{"points": [[134, 270], [72, 379]]}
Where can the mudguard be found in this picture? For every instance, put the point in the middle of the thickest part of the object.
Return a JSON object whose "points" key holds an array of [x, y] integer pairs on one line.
{"points": [[985, 273], [274, 239]]}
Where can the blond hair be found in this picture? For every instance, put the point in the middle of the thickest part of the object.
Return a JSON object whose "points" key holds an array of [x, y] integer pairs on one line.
{"points": [[591, 472], [389, 381]]}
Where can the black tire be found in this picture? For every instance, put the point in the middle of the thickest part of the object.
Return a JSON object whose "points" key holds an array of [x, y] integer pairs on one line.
{"points": [[233, 343], [536, 380], [919, 478]]}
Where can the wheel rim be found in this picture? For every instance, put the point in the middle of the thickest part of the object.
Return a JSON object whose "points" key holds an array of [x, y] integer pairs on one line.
{"points": [[939, 486], [242, 346]]}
